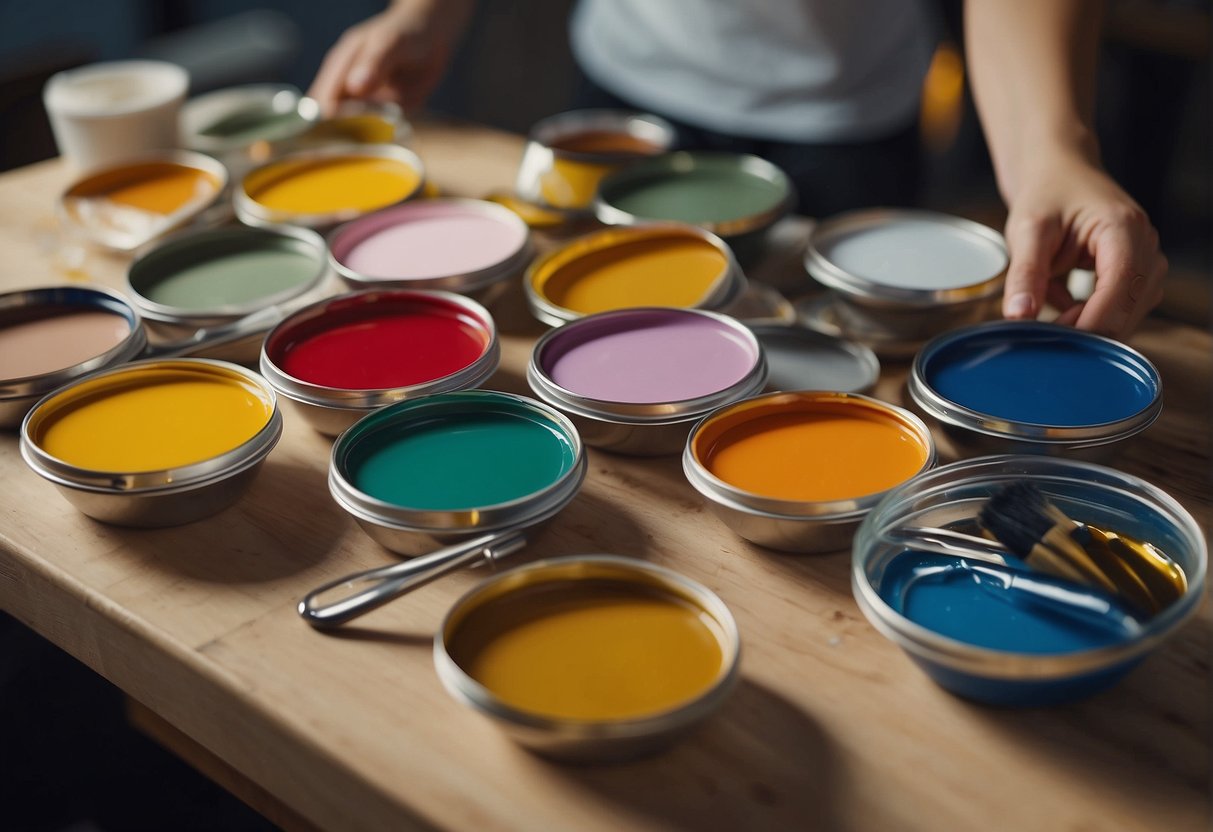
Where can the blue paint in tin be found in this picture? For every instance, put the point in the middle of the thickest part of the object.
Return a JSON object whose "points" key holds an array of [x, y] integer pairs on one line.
{"points": [[1003, 608], [1041, 374]]}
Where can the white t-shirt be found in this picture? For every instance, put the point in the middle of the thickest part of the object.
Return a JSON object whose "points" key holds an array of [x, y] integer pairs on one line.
{"points": [[789, 70]]}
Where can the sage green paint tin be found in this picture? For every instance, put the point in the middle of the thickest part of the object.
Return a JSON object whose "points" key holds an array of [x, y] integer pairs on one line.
{"points": [[227, 271]]}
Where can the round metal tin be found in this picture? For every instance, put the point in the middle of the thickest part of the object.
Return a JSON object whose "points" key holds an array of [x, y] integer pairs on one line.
{"points": [[178, 267], [18, 395], [794, 525], [398, 527], [748, 194], [331, 409], [802, 359], [361, 122], [591, 740], [233, 119], [556, 174], [711, 357], [89, 210], [1036, 388], [164, 496], [459, 225], [303, 162], [951, 496], [905, 258], [555, 274]]}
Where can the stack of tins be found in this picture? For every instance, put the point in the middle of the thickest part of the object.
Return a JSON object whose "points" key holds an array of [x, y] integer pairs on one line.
{"points": [[774, 424]]}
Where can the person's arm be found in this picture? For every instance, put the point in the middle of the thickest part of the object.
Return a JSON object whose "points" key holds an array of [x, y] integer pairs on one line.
{"points": [[1033, 65], [398, 55]]}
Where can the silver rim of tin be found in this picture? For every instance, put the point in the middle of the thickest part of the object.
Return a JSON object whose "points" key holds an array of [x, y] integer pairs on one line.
{"points": [[180, 245], [721, 492], [186, 158], [454, 282], [630, 413], [727, 289], [591, 567], [252, 212], [861, 290], [957, 415], [520, 513], [980, 661], [685, 161], [163, 481], [866, 362], [194, 111], [78, 297], [354, 399]]}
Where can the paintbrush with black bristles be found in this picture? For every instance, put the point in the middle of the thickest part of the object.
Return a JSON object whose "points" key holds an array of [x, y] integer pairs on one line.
{"points": [[1021, 517]]}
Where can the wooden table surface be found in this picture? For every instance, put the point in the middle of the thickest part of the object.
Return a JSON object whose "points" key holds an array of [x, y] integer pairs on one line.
{"points": [[832, 727]]}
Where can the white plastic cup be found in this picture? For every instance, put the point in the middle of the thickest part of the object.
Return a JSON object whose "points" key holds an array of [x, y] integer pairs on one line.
{"points": [[105, 112]]}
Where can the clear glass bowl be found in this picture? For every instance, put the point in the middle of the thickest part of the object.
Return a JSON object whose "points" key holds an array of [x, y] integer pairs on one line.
{"points": [[953, 495]]}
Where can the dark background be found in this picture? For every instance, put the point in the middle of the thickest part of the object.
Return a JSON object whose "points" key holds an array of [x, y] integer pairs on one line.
{"points": [[71, 763]]}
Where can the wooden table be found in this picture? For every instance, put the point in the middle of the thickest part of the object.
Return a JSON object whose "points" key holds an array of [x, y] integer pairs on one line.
{"points": [[832, 726]]}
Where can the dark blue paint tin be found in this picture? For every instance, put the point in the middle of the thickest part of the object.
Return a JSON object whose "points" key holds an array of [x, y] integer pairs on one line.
{"points": [[1033, 387]]}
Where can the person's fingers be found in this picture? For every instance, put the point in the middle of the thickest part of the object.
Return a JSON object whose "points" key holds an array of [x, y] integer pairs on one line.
{"points": [[1129, 272], [1033, 244], [1057, 295], [329, 85], [384, 48], [1070, 316]]}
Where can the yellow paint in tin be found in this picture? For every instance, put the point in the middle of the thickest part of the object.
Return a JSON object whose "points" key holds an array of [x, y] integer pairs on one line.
{"points": [[590, 649], [332, 184], [629, 267], [152, 417]]}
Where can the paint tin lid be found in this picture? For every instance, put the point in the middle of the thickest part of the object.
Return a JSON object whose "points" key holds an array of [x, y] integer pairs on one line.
{"points": [[459, 245], [803, 359], [900, 258], [428, 413], [196, 278], [235, 117], [726, 193], [1052, 384]]}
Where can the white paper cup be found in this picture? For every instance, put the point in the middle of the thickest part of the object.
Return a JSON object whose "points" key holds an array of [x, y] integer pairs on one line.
{"points": [[105, 112]]}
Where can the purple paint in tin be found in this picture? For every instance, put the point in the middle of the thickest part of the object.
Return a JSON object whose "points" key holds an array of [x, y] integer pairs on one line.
{"points": [[649, 355]]}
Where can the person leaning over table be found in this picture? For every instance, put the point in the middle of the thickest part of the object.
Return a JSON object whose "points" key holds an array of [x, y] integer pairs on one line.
{"points": [[829, 92]]}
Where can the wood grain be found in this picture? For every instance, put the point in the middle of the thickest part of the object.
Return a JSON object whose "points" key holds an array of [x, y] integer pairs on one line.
{"points": [[831, 728]]}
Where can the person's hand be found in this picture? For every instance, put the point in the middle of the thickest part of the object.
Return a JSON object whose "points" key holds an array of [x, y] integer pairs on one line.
{"points": [[398, 55], [1069, 214]]}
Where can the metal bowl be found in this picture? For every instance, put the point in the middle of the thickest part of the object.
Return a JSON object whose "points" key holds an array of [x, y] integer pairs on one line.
{"points": [[952, 496], [18, 395], [252, 212], [899, 277], [1030, 387], [793, 525], [331, 409], [751, 195], [411, 530], [477, 277], [85, 210], [556, 274], [168, 496], [156, 280], [627, 406], [585, 740], [561, 170]]}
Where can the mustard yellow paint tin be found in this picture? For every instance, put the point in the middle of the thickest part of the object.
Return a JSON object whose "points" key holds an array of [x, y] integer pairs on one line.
{"points": [[320, 188], [154, 443], [668, 265]]}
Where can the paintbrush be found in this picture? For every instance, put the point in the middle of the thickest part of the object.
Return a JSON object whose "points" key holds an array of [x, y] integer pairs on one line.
{"points": [[1022, 519]]}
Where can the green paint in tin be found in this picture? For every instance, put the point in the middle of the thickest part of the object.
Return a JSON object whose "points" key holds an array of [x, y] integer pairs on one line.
{"points": [[707, 189], [231, 268], [256, 123], [461, 460]]}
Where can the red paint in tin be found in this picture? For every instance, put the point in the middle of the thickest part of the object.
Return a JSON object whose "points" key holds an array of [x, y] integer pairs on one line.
{"points": [[397, 342]]}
